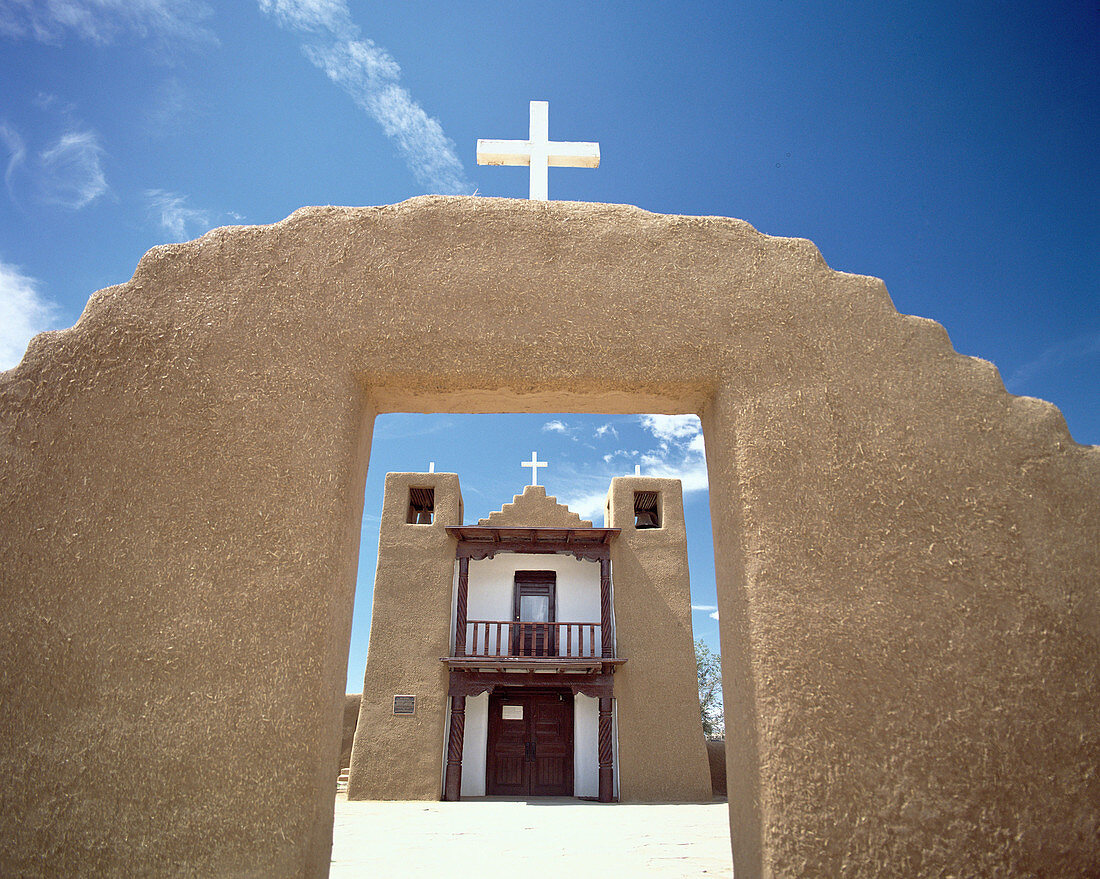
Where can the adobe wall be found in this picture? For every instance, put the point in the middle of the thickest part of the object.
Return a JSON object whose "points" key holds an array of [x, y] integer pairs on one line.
{"points": [[906, 556], [400, 757], [716, 757], [347, 733], [662, 752]]}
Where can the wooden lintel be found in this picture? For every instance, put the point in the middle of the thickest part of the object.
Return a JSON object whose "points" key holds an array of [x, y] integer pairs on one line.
{"points": [[481, 542], [464, 682], [539, 666]]}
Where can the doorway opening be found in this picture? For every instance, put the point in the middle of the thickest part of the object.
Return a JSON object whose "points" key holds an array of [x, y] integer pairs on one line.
{"points": [[534, 613], [528, 738], [534, 739], [530, 744], [584, 452]]}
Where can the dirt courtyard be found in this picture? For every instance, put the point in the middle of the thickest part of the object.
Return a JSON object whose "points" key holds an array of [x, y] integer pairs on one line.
{"points": [[543, 837]]}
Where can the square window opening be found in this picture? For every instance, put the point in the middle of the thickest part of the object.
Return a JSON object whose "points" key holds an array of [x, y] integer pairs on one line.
{"points": [[647, 509], [421, 506]]}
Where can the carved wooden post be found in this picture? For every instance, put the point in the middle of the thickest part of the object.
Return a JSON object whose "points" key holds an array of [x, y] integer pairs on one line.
{"points": [[452, 784], [607, 637], [606, 752], [460, 611]]}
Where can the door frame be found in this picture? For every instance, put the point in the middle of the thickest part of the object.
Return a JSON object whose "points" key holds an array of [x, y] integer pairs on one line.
{"points": [[535, 583]]}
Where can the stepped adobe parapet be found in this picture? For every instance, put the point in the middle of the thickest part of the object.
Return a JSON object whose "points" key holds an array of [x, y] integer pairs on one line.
{"points": [[535, 508]]}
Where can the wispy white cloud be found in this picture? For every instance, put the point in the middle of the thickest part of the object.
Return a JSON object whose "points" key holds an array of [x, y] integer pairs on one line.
{"points": [[621, 453], [17, 154], [672, 427], [606, 430], [52, 103], [556, 426], [679, 453], [169, 22], [313, 16], [66, 172], [704, 607], [72, 171], [714, 616], [676, 453], [588, 505], [23, 313], [171, 108], [370, 75], [175, 217], [1054, 357]]}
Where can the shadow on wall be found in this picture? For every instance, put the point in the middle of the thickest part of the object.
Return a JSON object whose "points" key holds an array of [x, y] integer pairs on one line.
{"points": [[716, 754], [351, 718]]}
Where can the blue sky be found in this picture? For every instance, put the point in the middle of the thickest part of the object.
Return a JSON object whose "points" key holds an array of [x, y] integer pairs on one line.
{"points": [[947, 148]]}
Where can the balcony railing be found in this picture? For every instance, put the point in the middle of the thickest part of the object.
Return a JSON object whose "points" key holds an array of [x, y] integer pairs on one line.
{"points": [[504, 638]]}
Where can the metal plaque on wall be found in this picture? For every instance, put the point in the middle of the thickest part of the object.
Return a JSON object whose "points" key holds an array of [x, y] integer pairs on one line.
{"points": [[404, 704]]}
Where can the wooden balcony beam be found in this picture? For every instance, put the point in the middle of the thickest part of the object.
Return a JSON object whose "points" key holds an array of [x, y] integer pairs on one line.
{"points": [[467, 682], [481, 542]]}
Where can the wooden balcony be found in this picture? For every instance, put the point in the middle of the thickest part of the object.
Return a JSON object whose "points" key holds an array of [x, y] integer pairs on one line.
{"points": [[486, 648], [533, 640], [503, 645]]}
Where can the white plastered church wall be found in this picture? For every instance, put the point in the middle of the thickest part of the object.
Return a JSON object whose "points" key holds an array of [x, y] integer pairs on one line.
{"points": [[491, 583], [475, 746], [586, 765]]}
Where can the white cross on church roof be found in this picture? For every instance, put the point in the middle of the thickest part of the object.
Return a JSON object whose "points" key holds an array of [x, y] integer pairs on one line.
{"points": [[534, 464], [539, 152]]}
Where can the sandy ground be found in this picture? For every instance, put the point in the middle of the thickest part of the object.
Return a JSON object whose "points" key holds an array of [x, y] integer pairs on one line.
{"points": [[545, 837]]}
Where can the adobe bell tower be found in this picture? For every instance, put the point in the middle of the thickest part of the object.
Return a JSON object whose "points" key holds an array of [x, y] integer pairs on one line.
{"points": [[656, 692], [398, 747]]}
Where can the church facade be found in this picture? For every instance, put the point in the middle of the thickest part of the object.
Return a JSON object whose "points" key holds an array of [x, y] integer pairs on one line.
{"points": [[531, 654]]}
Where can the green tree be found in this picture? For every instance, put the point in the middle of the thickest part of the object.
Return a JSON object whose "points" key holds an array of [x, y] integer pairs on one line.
{"points": [[709, 666]]}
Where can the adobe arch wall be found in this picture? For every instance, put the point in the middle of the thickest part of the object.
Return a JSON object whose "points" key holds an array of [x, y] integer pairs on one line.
{"points": [[906, 555]]}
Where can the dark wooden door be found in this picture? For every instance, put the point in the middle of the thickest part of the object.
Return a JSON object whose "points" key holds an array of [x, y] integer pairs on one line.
{"points": [[551, 767], [530, 749]]}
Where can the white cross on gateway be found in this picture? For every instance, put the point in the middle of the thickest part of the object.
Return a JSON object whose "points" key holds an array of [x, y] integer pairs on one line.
{"points": [[539, 152], [534, 464]]}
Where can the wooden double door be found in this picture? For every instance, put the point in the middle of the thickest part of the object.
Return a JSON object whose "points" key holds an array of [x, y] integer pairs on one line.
{"points": [[530, 748]]}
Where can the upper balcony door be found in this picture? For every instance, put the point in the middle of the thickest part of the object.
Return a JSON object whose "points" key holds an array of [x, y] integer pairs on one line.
{"points": [[533, 612]]}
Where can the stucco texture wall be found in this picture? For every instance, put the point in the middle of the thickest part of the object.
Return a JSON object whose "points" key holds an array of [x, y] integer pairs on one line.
{"points": [[400, 757], [347, 733], [906, 555], [662, 752]]}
